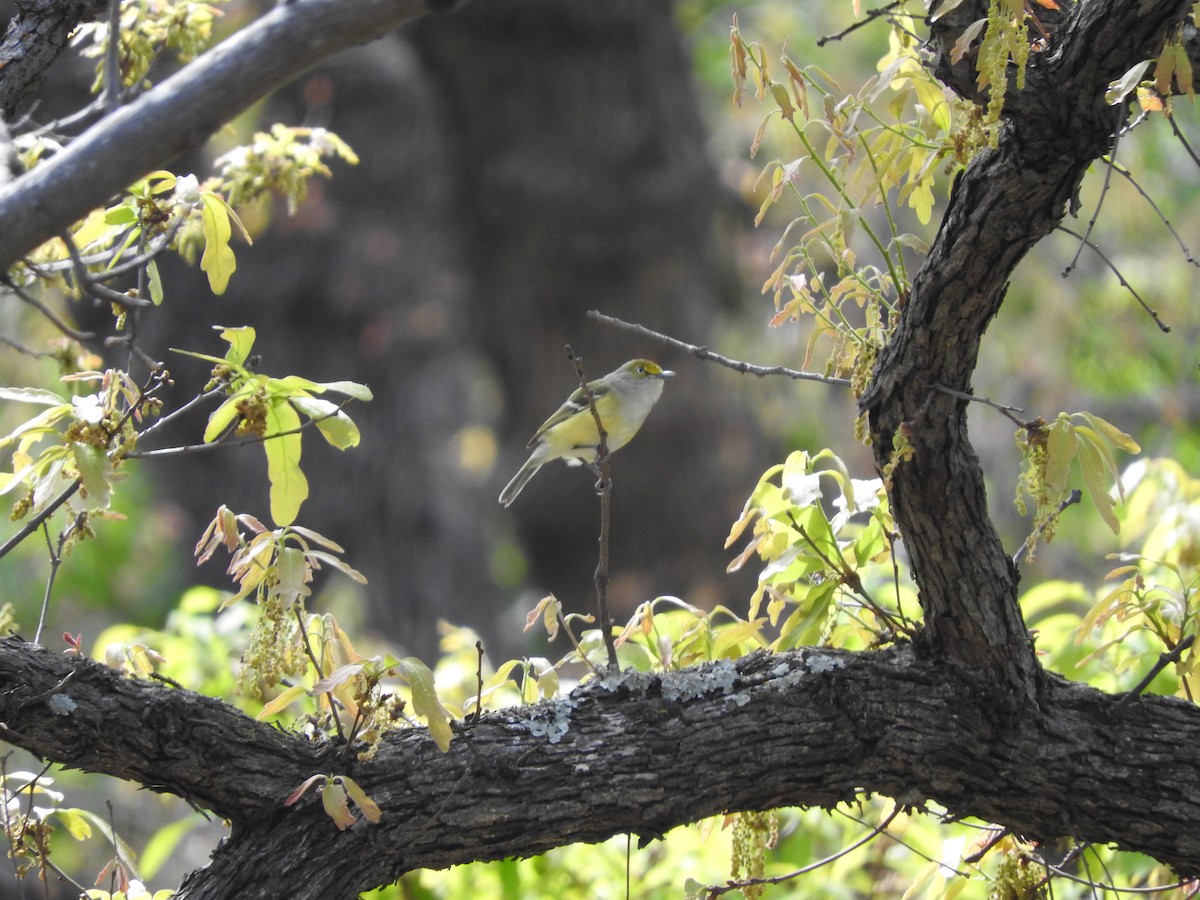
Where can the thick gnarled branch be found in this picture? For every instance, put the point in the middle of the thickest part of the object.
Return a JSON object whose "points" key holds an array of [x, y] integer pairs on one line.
{"points": [[1005, 202], [632, 753]]}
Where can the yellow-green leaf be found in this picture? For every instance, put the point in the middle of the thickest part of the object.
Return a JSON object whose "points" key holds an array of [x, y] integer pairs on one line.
{"points": [[336, 427], [95, 469], [292, 574], [1060, 451], [425, 700], [368, 807], [218, 261], [289, 487], [333, 799], [156, 286], [240, 340], [226, 414], [283, 701], [1115, 435], [1094, 471]]}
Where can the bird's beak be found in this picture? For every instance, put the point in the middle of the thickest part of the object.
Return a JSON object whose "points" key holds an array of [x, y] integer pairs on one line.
{"points": [[666, 373]]}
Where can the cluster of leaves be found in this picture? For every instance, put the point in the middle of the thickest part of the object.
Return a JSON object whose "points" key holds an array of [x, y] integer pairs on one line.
{"points": [[1052, 451], [148, 29], [864, 154], [270, 408], [817, 568], [346, 691], [78, 441], [1155, 604], [280, 161], [34, 810]]}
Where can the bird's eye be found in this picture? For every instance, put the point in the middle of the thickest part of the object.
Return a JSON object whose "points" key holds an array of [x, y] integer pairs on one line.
{"points": [[641, 370]]}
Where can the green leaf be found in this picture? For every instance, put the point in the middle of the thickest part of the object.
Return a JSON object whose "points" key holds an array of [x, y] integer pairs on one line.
{"points": [[156, 286], [33, 395], [289, 487], [425, 700], [292, 572], [218, 260], [1115, 435], [336, 427], [117, 215], [349, 388], [241, 342], [1060, 451], [95, 469], [161, 847], [1118, 90], [283, 701], [76, 824], [1094, 470], [227, 413]]}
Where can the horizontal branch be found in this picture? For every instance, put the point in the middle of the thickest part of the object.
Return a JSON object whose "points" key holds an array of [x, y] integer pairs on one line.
{"points": [[634, 753], [180, 113]]}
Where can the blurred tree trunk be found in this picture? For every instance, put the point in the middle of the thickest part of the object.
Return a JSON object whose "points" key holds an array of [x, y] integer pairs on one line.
{"points": [[522, 162]]}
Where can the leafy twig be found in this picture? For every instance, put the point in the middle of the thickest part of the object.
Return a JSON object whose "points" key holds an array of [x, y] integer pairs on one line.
{"points": [[1071, 499], [879, 829], [1165, 659], [240, 442], [850, 578]]}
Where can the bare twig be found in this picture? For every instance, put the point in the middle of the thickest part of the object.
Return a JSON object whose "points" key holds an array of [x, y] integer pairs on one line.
{"points": [[174, 414], [474, 717], [87, 284], [999, 835], [703, 353], [240, 442], [1002, 407], [871, 16], [604, 489], [312, 657], [1087, 234], [565, 626], [1120, 278], [47, 312], [36, 522], [1182, 140], [1121, 170], [112, 58]]}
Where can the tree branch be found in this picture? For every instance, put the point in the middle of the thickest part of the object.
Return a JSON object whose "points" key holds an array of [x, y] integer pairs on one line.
{"points": [[180, 113], [1007, 200], [635, 753]]}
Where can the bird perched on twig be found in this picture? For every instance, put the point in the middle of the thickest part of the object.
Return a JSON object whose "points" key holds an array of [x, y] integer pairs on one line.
{"points": [[623, 400]]}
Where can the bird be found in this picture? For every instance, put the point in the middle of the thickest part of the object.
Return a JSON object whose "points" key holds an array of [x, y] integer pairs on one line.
{"points": [[623, 399]]}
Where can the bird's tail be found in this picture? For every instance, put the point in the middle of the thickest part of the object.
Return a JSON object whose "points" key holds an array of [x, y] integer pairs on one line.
{"points": [[514, 487]]}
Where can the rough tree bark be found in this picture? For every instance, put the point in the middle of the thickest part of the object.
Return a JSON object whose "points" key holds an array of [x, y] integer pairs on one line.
{"points": [[964, 717]]}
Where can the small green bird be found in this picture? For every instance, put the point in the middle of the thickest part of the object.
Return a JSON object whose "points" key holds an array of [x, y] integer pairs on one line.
{"points": [[623, 400]]}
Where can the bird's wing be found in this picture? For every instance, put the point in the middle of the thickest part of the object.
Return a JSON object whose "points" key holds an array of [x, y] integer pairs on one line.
{"points": [[574, 404]]}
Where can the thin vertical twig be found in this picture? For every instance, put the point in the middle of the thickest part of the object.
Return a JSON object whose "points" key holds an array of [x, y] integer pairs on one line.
{"points": [[604, 488]]}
